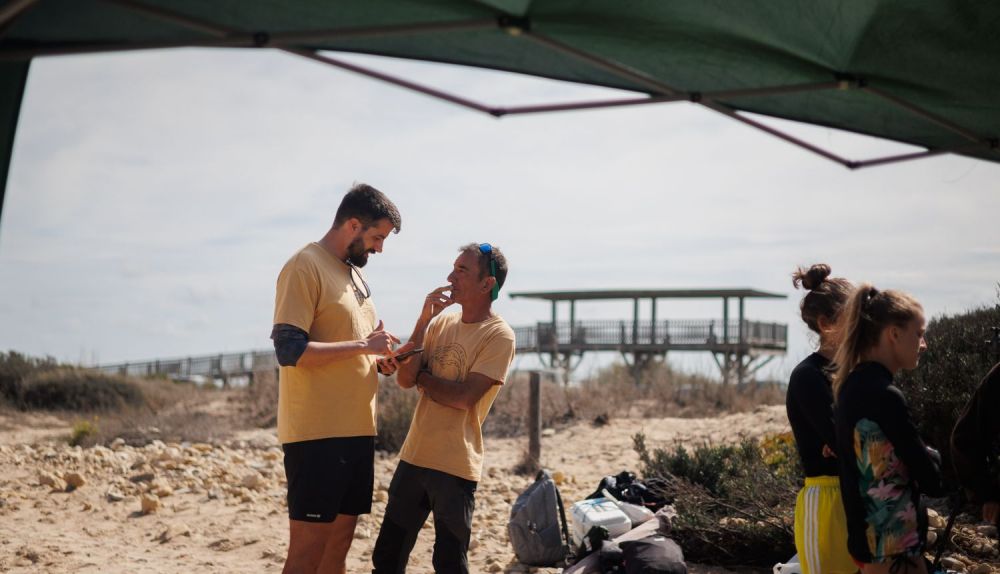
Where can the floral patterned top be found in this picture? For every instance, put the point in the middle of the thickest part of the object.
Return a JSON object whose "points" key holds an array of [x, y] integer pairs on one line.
{"points": [[884, 467]]}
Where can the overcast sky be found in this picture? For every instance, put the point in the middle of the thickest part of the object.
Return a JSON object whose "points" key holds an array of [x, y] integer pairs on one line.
{"points": [[154, 196]]}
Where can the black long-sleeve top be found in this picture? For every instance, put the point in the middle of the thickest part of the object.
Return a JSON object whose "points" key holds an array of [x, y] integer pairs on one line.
{"points": [[809, 405], [975, 439], [892, 465]]}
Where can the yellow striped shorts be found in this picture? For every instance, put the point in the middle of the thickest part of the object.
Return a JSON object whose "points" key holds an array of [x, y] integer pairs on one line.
{"points": [[821, 528]]}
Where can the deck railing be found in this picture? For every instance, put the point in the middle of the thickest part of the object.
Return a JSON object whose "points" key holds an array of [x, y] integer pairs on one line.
{"points": [[665, 333], [219, 366]]}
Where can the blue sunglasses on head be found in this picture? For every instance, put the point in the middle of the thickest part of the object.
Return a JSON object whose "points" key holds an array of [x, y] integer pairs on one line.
{"points": [[487, 249]]}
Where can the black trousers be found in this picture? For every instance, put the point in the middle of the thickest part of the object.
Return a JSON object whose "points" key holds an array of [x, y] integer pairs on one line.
{"points": [[414, 493]]}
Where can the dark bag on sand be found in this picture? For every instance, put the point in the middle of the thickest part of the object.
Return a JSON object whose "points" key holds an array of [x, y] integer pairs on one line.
{"points": [[627, 488], [537, 528], [653, 555]]}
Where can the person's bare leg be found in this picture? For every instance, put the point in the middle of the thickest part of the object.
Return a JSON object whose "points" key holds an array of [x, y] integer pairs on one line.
{"points": [[338, 543], [306, 546]]}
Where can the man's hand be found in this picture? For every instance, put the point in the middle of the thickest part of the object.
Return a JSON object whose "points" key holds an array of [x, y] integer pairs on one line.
{"points": [[380, 341], [990, 511], [389, 364], [435, 302], [828, 452]]}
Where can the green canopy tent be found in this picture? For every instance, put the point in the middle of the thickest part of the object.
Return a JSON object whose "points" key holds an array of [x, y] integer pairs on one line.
{"points": [[920, 72]]}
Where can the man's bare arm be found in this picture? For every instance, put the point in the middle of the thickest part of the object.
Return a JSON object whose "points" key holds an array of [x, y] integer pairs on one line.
{"points": [[435, 302], [317, 354], [457, 395]]}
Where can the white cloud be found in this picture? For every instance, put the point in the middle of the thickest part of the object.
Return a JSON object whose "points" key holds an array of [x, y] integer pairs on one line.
{"points": [[153, 198]]}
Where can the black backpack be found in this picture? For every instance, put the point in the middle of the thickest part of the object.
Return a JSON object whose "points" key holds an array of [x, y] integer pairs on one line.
{"points": [[655, 554], [537, 528]]}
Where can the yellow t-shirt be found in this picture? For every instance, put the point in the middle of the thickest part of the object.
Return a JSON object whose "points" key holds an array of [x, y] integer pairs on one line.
{"points": [[445, 438], [315, 293]]}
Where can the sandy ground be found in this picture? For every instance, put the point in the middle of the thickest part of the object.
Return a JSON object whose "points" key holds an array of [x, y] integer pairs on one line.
{"points": [[220, 507]]}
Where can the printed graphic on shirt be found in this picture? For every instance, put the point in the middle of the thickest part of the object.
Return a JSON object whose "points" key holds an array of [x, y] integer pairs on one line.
{"points": [[449, 362], [884, 485]]}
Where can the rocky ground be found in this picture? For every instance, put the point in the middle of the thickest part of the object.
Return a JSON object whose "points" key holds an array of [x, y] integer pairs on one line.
{"points": [[181, 507]]}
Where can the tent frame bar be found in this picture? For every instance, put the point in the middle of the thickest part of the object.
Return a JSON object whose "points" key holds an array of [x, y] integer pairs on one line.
{"points": [[679, 97], [659, 92], [14, 9], [929, 116]]}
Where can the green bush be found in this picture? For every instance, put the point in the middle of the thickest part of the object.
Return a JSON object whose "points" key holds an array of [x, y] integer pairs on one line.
{"points": [[83, 432], [958, 356], [735, 503]]}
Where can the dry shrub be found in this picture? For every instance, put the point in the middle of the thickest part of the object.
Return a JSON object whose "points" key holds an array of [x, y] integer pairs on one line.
{"points": [[395, 410], [509, 415], [258, 401], [612, 392], [173, 412]]}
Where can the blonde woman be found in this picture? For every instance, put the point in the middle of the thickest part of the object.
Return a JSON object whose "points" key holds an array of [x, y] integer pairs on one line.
{"points": [[884, 465]]}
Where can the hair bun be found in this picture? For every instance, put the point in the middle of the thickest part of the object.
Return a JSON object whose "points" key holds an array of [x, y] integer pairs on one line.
{"points": [[811, 278]]}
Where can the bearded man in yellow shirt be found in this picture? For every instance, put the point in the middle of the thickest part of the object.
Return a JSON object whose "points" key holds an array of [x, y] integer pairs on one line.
{"points": [[463, 365], [326, 340]]}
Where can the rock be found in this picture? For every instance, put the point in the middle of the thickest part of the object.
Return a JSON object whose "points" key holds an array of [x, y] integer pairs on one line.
{"points": [[981, 569], [160, 487], [117, 443], [114, 495], [74, 479], [473, 544], [548, 432], [381, 496], [362, 533], [988, 530], [952, 564], [51, 480], [171, 532], [202, 447], [931, 513], [931, 538], [936, 521], [223, 545], [495, 567], [558, 477], [252, 480], [143, 477], [149, 503]]}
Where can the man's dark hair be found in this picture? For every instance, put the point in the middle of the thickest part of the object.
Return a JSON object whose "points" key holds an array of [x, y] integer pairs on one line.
{"points": [[484, 261], [368, 205]]}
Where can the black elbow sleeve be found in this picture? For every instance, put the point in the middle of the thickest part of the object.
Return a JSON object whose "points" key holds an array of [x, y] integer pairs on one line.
{"points": [[289, 343]]}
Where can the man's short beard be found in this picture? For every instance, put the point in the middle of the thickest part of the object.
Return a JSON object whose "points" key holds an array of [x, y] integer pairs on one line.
{"points": [[357, 255]]}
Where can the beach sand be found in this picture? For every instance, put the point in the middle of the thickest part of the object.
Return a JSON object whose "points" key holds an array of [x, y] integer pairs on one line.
{"points": [[220, 507]]}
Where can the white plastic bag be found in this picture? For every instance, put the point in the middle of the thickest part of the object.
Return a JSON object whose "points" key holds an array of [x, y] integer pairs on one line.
{"points": [[790, 567]]}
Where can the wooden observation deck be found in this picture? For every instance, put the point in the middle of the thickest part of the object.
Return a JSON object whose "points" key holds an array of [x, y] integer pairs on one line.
{"points": [[739, 346]]}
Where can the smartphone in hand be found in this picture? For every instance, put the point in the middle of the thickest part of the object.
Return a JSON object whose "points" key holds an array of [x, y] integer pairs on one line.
{"points": [[408, 354]]}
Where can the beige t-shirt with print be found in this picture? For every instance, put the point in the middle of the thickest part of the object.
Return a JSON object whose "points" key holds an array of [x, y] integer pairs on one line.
{"points": [[448, 439], [316, 294]]}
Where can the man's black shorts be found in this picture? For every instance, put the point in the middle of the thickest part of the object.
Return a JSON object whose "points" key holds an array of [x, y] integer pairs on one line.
{"points": [[329, 476]]}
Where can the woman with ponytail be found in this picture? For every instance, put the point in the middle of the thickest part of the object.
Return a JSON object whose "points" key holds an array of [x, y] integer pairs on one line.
{"points": [[820, 525], [884, 466]]}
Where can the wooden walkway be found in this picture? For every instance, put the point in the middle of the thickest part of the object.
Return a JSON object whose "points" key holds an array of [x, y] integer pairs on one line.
{"points": [[630, 338], [219, 367], [652, 337]]}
